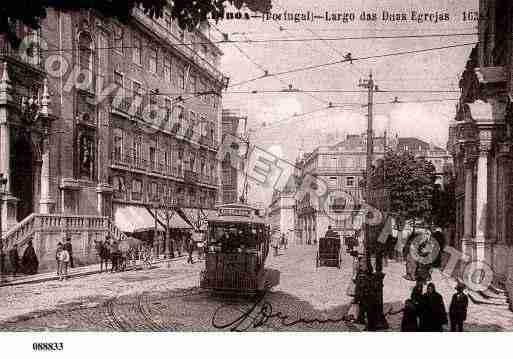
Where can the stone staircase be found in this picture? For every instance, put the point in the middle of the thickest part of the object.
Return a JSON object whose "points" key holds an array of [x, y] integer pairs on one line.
{"points": [[46, 230], [491, 296]]}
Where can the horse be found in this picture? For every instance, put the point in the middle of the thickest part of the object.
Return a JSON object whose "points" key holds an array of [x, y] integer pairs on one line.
{"points": [[103, 251]]}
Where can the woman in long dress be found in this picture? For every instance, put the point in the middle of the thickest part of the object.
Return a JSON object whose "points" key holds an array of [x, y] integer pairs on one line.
{"points": [[29, 261]]}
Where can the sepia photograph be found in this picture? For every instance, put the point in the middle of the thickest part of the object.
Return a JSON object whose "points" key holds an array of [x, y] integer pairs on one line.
{"points": [[221, 166]]}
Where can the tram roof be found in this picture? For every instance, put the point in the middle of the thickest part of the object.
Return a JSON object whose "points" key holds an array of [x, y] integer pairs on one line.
{"points": [[236, 213]]}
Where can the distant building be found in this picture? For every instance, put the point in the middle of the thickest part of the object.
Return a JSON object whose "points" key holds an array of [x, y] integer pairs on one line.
{"points": [[281, 211], [230, 179], [342, 167]]}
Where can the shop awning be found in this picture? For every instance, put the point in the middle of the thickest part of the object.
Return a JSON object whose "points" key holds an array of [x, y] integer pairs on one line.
{"points": [[198, 217], [175, 221], [132, 219]]}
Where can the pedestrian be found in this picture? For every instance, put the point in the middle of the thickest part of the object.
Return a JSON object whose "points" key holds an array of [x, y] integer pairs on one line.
{"points": [[104, 253], [114, 255], [433, 311], [14, 259], [411, 263], [458, 308], [64, 259], [190, 248], [410, 322], [276, 245], [67, 246], [351, 289], [29, 261], [282, 240], [57, 258]]}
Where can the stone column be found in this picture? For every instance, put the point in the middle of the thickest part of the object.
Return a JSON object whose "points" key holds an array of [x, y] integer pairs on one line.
{"points": [[5, 138], [466, 245], [482, 195], [46, 203]]}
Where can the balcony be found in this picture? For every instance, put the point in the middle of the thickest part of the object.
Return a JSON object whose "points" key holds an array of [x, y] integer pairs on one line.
{"points": [[190, 176]]}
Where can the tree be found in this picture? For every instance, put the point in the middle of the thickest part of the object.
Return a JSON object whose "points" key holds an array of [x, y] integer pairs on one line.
{"points": [[410, 183], [188, 13]]}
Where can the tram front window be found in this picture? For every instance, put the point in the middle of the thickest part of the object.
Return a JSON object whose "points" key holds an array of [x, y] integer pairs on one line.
{"points": [[233, 238]]}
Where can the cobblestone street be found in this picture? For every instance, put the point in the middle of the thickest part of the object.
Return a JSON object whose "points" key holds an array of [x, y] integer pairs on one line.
{"points": [[167, 298]]}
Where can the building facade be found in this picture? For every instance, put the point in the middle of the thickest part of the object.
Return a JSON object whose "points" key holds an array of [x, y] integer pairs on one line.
{"points": [[231, 120], [104, 121], [481, 143], [281, 211], [342, 167]]}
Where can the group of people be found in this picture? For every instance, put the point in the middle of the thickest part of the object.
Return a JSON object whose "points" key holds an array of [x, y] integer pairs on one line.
{"points": [[279, 242], [110, 250], [64, 258], [29, 263], [426, 312]]}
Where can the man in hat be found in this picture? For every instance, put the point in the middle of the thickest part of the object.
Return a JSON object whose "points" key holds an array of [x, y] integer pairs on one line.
{"points": [[458, 308]]}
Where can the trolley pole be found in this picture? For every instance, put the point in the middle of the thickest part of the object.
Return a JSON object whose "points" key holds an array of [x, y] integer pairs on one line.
{"points": [[375, 317]]}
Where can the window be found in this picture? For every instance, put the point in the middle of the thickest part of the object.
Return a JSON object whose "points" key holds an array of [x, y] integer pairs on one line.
{"points": [[332, 181], [85, 59], [167, 68], [153, 106], [118, 144], [168, 104], [137, 50], [136, 189], [118, 80], [86, 52], [153, 59], [137, 148], [350, 181], [192, 84], [153, 152], [137, 97], [181, 77], [118, 39]]}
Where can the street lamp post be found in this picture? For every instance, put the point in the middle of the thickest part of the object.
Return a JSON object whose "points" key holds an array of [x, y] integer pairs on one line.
{"points": [[3, 182]]}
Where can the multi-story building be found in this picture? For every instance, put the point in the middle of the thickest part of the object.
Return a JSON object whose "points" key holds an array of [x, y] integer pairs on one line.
{"points": [[342, 167], [121, 117], [281, 210], [481, 143], [231, 120]]}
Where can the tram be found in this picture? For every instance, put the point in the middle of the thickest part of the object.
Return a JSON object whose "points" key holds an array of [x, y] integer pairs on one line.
{"points": [[237, 247]]}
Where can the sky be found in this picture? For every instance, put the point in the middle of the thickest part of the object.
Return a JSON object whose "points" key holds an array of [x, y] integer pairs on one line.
{"points": [[287, 122]]}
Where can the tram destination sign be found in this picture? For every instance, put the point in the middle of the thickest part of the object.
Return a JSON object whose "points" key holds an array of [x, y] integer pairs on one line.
{"points": [[241, 212]]}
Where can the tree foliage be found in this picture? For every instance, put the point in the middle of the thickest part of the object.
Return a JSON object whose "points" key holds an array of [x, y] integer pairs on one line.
{"points": [[189, 13], [410, 184]]}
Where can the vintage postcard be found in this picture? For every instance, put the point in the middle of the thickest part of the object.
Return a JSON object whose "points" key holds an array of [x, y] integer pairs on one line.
{"points": [[256, 166]]}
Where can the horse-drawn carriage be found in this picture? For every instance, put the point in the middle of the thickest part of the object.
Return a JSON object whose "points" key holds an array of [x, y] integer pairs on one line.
{"points": [[329, 252]]}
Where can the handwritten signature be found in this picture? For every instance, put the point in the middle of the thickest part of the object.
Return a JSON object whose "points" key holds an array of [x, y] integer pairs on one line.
{"points": [[261, 312]]}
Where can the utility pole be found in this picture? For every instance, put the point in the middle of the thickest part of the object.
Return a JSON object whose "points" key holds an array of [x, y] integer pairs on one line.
{"points": [[369, 85], [244, 195], [375, 317]]}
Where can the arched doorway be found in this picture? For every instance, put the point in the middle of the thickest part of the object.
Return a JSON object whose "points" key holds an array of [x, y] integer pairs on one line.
{"points": [[22, 179]]}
